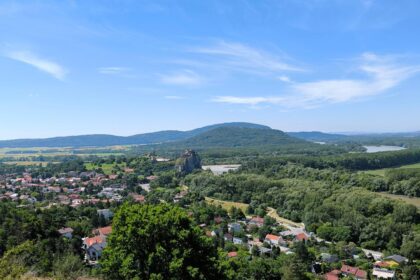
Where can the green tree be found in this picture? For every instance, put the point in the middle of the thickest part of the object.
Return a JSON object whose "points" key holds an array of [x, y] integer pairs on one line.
{"points": [[157, 242]]}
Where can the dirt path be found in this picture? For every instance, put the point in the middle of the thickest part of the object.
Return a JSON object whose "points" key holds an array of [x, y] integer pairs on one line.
{"points": [[283, 221]]}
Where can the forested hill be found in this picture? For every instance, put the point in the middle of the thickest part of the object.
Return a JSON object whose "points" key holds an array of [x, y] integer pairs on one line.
{"points": [[230, 137], [109, 140]]}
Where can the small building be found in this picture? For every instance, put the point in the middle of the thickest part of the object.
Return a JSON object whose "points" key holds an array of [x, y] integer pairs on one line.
{"points": [[228, 237], [332, 275], [104, 231], [329, 258], [397, 258], [234, 227], [237, 241], [354, 272], [93, 247], [373, 254], [301, 237], [106, 213], [386, 264], [66, 232], [273, 240], [256, 221], [381, 273], [265, 251], [232, 254]]}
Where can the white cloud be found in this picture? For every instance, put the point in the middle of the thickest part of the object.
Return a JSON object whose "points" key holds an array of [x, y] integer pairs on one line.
{"points": [[247, 100], [245, 58], [112, 70], [50, 67], [174, 97], [183, 78], [380, 75], [284, 79]]}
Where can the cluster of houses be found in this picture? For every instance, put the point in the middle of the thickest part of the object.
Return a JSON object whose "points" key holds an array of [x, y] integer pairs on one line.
{"points": [[382, 269], [71, 188], [283, 241]]}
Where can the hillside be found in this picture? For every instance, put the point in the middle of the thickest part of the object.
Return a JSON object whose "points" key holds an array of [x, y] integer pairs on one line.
{"points": [[100, 140], [231, 137]]}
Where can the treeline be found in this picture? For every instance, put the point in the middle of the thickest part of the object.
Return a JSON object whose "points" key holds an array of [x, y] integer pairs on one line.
{"points": [[351, 161]]}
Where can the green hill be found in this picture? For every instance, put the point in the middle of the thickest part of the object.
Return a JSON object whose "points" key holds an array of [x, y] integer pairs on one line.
{"points": [[231, 137], [101, 140]]}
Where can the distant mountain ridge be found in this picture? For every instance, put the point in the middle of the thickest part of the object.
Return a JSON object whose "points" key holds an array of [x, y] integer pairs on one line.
{"points": [[318, 136], [99, 140]]}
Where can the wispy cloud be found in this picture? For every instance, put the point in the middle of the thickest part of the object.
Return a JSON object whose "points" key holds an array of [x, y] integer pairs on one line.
{"points": [[42, 64], [245, 58], [174, 97], [248, 100], [113, 70], [183, 78], [380, 75]]}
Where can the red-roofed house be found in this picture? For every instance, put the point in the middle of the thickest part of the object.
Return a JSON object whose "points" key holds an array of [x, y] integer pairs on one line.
{"points": [[104, 231], [93, 247], [331, 276], [257, 221], [302, 237], [354, 272], [138, 197], [232, 254], [273, 240]]}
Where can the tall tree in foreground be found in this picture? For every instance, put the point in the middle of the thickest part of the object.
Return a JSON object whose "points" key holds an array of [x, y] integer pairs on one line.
{"points": [[157, 242]]}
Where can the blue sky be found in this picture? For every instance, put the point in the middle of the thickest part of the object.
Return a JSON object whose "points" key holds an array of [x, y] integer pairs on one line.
{"points": [[127, 67]]}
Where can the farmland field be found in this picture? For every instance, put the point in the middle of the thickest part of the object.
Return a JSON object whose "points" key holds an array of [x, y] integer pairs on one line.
{"points": [[381, 172], [30, 156]]}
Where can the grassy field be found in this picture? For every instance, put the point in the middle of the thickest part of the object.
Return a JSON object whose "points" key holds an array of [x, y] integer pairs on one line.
{"points": [[227, 204], [410, 200], [106, 167], [381, 172]]}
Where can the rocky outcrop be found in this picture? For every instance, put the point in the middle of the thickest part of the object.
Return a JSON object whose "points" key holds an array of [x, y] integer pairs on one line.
{"points": [[189, 161]]}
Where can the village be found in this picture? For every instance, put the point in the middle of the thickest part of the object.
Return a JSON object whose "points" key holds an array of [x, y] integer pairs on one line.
{"points": [[253, 235]]}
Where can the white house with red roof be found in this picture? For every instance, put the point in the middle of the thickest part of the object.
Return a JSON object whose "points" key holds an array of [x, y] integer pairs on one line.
{"points": [[94, 246], [273, 240]]}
